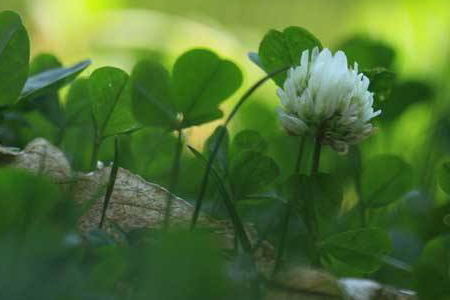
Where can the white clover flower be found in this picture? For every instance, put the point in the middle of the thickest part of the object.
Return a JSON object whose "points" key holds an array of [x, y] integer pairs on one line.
{"points": [[325, 98]]}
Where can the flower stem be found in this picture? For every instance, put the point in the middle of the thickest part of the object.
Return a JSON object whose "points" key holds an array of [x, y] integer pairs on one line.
{"points": [[287, 216], [174, 178], [219, 140], [312, 215], [300, 154]]}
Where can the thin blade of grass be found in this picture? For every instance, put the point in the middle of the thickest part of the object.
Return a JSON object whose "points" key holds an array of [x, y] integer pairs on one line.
{"points": [[234, 216], [220, 138], [111, 182]]}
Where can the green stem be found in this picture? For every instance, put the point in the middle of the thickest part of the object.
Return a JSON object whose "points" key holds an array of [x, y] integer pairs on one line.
{"points": [[300, 154], [174, 178], [219, 140], [312, 215], [287, 217], [95, 151], [111, 182]]}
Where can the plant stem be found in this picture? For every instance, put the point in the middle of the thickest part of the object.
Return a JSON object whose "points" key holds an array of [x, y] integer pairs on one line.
{"points": [[174, 178], [219, 140], [95, 151], [300, 154], [312, 215], [287, 216], [111, 182]]}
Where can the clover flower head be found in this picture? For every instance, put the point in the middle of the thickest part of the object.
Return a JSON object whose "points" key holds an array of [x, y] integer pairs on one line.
{"points": [[325, 98]]}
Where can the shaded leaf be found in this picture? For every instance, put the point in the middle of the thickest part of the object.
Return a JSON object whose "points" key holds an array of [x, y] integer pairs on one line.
{"points": [[251, 173], [368, 53], [381, 83], [78, 103], [51, 80], [249, 140], [221, 160], [361, 249], [444, 177], [432, 271], [152, 101], [14, 57], [385, 179], [283, 49]]}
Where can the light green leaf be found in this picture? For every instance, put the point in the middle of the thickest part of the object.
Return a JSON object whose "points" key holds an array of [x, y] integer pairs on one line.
{"points": [[283, 49], [14, 57], [385, 179], [152, 100], [110, 101], [202, 81], [361, 249]]}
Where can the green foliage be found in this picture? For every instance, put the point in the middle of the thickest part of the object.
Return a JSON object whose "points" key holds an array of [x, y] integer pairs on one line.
{"points": [[111, 101], [249, 140], [444, 177], [432, 270], [252, 172], [14, 57], [381, 83], [368, 53], [385, 179], [200, 82], [360, 249], [281, 49], [50, 80]]}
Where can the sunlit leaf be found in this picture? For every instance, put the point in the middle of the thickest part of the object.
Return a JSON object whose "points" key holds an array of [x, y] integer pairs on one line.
{"points": [[111, 101], [202, 81], [14, 57], [283, 49]]}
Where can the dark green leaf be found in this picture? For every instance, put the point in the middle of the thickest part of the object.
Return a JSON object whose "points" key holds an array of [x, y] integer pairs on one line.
{"points": [[368, 53], [432, 271], [221, 161], [51, 80], [444, 177], [249, 140], [78, 103], [201, 82], [14, 57], [251, 173], [111, 101], [234, 216], [152, 95], [325, 191], [44, 62], [402, 96], [385, 179], [283, 49], [381, 83], [362, 249]]}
